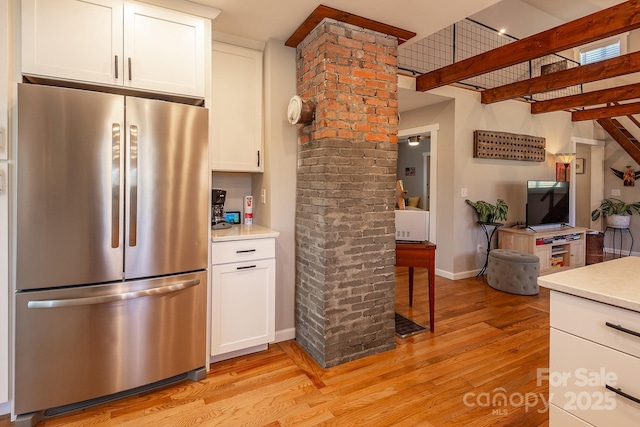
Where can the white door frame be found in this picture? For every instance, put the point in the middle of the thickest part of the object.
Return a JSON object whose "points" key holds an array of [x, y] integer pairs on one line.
{"points": [[597, 177], [432, 131]]}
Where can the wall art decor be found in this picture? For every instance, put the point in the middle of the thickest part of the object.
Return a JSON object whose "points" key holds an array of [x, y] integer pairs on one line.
{"points": [[508, 146], [628, 176]]}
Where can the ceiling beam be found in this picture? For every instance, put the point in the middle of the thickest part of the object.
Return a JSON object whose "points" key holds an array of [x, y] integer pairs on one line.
{"points": [[630, 117], [621, 65], [621, 93], [606, 112], [608, 22]]}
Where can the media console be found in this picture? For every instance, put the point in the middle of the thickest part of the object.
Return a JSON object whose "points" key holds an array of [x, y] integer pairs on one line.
{"points": [[558, 248]]}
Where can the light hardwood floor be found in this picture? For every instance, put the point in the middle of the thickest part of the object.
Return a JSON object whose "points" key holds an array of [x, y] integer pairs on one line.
{"points": [[487, 345]]}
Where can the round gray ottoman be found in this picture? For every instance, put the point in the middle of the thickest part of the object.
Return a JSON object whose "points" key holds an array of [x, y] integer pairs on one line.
{"points": [[513, 271]]}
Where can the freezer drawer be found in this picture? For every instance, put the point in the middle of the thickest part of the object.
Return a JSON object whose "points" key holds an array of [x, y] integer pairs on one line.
{"points": [[81, 343]]}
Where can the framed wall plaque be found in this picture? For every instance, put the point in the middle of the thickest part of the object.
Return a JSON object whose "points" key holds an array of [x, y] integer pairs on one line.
{"points": [[508, 146]]}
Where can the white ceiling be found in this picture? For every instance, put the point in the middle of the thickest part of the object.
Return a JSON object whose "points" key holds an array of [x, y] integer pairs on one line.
{"points": [[522, 18], [264, 19], [261, 20]]}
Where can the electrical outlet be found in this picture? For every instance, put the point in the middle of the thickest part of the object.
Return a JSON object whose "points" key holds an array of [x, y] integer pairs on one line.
{"points": [[479, 249], [263, 196], [464, 192]]}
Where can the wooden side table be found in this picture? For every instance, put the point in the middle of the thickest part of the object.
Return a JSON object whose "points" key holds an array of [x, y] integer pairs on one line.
{"points": [[421, 254]]}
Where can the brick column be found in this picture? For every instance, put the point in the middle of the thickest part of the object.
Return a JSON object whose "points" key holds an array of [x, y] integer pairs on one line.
{"points": [[345, 231]]}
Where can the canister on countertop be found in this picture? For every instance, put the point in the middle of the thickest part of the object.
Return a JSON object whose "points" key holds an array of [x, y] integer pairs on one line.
{"points": [[248, 210]]}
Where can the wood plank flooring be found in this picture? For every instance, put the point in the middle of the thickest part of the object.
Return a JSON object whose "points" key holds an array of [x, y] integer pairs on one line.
{"points": [[487, 345]]}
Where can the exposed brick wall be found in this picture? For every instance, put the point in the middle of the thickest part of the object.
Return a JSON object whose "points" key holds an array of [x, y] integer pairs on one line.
{"points": [[345, 232]]}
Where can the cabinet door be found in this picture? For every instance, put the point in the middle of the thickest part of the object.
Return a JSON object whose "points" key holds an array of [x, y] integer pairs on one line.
{"points": [[164, 50], [243, 310], [561, 418], [4, 283], [236, 109], [73, 39], [544, 254], [577, 253]]}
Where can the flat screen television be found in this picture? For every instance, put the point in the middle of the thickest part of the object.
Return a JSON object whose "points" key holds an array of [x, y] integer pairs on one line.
{"points": [[547, 203]]}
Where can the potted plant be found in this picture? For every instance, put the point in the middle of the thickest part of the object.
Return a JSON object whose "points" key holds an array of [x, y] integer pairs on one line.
{"points": [[617, 212], [489, 213]]}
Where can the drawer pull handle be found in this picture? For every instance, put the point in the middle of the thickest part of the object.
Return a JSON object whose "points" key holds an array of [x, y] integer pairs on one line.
{"points": [[621, 329], [245, 251], [245, 267], [622, 393]]}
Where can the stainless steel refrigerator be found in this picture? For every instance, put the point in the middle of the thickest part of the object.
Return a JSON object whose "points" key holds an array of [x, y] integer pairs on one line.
{"points": [[112, 232]]}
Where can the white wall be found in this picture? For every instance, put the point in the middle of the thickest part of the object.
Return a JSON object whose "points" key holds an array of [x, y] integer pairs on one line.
{"points": [[484, 179], [279, 178], [615, 157], [5, 28]]}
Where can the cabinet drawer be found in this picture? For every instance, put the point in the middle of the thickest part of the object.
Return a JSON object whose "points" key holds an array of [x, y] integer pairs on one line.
{"points": [[588, 319], [242, 250], [580, 370], [561, 418]]}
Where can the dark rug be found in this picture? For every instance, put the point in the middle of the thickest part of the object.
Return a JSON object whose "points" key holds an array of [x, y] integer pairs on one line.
{"points": [[406, 327]]}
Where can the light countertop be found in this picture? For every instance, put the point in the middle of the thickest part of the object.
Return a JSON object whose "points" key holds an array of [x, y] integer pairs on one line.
{"points": [[242, 232], [614, 282]]}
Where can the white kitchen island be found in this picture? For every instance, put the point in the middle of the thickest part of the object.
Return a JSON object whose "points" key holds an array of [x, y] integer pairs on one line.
{"points": [[594, 363]]}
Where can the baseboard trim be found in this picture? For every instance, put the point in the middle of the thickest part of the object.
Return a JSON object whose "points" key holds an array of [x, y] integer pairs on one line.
{"points": [[5, 408], [238, 353], [285, 334]]}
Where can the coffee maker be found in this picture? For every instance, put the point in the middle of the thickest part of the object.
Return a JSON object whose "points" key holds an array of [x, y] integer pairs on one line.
{"points": [[217, 209]]}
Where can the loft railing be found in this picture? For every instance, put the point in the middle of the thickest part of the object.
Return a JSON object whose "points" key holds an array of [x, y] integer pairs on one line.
{"points": [[468, 38]]}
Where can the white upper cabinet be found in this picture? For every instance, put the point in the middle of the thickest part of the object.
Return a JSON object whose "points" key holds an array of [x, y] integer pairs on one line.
{"points": [[71, 39], [110, 42], [236, 108], [163, 50]]}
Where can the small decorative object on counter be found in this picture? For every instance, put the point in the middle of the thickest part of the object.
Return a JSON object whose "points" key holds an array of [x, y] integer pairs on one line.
{"points": [[248, 210]]}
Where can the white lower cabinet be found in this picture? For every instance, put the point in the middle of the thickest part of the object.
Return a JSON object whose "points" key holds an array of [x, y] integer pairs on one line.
{"points": [[559, 417], [243, 295], [594, 363]]}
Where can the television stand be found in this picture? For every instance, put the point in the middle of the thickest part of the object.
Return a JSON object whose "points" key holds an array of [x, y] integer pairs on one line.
{"points": [[558, 248]]}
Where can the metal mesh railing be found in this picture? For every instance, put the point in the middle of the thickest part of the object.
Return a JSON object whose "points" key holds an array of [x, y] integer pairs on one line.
{"points": [[468, 38]]}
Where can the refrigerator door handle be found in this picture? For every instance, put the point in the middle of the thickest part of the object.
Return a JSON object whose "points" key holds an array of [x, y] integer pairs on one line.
{"points": [[113, 298], [133, 185], [115, 185]]}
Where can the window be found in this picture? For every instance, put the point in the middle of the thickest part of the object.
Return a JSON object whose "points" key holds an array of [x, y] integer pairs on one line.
{"points": [[603, 49], [590, 55]]}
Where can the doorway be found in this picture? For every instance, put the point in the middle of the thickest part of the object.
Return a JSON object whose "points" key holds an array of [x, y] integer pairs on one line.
{"points": [[587, 184], [428, 176]]}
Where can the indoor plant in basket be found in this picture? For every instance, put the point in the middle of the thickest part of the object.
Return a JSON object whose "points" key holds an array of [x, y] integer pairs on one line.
{"points": [[617, 212], [489, 213]]}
